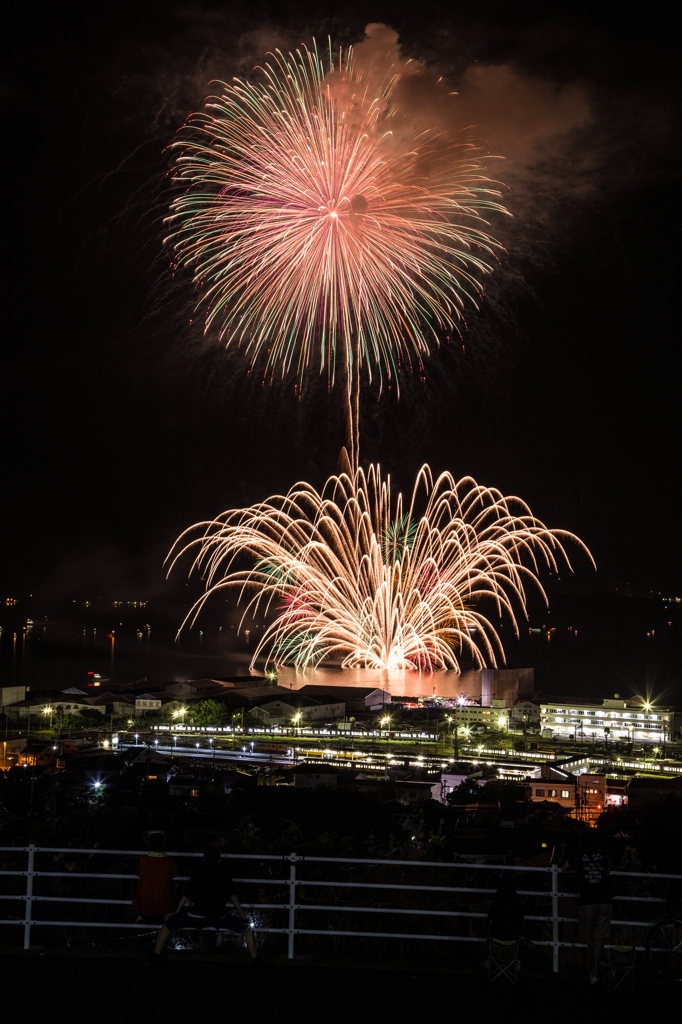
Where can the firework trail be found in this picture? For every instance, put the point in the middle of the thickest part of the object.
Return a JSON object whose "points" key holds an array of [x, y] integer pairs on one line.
{"points": [[351, 577], [323, 225]]}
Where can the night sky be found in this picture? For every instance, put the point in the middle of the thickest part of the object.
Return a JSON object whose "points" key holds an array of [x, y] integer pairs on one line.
{"points": [[121, 428]]}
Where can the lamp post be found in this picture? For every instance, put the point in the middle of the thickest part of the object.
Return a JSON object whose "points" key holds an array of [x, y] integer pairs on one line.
{"points": [[296, 719], [48, 711], [385, 722]]}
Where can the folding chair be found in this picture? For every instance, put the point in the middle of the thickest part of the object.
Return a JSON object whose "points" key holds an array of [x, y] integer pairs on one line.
{"points": [[503, 959], [618, 968]]}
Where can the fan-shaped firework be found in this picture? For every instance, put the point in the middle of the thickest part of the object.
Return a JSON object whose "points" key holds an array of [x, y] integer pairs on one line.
{"points": [[348, 576], [318, 219]]}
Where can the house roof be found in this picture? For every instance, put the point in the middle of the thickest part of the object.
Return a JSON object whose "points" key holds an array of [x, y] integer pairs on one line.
{"points": [[648, 782], [261, 690], [40, 702], [109, 698], [328, 698], [349, 692], [292, 700]]}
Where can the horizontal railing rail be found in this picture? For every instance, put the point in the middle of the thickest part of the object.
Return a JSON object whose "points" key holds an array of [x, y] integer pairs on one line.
{"points": [[292, 881]]}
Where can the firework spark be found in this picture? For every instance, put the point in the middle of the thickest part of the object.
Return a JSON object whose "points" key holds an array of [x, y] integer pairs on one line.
{"points": [[346, 575], [321, 224]]}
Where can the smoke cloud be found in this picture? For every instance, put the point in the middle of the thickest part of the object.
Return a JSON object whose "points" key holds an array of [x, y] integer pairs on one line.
{"points": [[528, 122]]}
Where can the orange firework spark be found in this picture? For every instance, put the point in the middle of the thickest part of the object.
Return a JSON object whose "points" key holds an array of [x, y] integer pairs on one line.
{"points": [[351, 578]]}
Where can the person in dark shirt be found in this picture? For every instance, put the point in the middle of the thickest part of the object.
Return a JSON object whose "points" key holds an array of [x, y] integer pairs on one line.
{"points": [[505, 916], [595, 907], [207, 892]]}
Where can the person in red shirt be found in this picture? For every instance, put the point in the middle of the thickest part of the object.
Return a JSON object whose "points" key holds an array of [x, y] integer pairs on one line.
{"points": [[155, 874]]}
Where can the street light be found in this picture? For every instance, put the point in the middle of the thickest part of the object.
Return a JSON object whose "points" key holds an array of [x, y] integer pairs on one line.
{"points": [[385, 722], [48, 711], [297, 718]]}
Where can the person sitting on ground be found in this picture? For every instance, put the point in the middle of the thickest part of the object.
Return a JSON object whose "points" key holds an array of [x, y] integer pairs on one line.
{"points": [[595, 908], [155, 873], [207, 892]]}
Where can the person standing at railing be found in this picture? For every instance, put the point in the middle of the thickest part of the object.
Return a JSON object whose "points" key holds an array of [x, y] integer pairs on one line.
{"points": [[208, 891], [155, 873], [591, 864]]}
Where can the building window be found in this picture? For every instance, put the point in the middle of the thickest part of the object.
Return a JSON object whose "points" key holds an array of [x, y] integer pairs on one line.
{"points": [[566, 793], [551, 792], [539, 792]]}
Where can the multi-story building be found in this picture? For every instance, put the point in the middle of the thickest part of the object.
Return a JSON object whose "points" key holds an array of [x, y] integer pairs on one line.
{"points": [[524, 715], [552, 784], [612, 719], [471, 716]]}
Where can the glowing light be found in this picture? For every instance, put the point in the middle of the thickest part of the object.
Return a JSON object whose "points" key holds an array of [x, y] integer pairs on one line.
{"points": [[319, 220], [381, 586]]}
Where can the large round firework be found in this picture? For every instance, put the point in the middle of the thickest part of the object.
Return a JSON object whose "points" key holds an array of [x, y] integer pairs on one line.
{"points": [[321, 222], [347, 575]]}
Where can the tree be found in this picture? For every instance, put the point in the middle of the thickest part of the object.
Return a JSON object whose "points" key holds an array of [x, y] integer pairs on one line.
{"points": [[69, 721], [209, 712], [466, 791], [88, 718]]}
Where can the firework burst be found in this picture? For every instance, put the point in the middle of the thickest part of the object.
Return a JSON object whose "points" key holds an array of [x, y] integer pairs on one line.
{"points": [[348, 575], [321, 224]]}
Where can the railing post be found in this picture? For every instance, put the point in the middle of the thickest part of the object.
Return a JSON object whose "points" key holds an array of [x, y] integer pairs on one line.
{"points": [[29, 897], [555, 918], [292, 905]]}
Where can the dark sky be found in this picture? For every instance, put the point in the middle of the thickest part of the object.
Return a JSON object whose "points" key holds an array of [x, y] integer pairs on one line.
{"points": [[119, 430]]}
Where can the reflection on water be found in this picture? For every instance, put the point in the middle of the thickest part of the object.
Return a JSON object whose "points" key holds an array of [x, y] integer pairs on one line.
{"points": [[399, 683]]}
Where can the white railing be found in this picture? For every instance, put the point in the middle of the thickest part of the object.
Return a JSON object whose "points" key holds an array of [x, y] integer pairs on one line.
{"points": [[295, 926]]}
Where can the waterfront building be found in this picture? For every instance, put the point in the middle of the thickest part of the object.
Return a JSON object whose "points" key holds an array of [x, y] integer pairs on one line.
{"points": [[614, 719]]}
